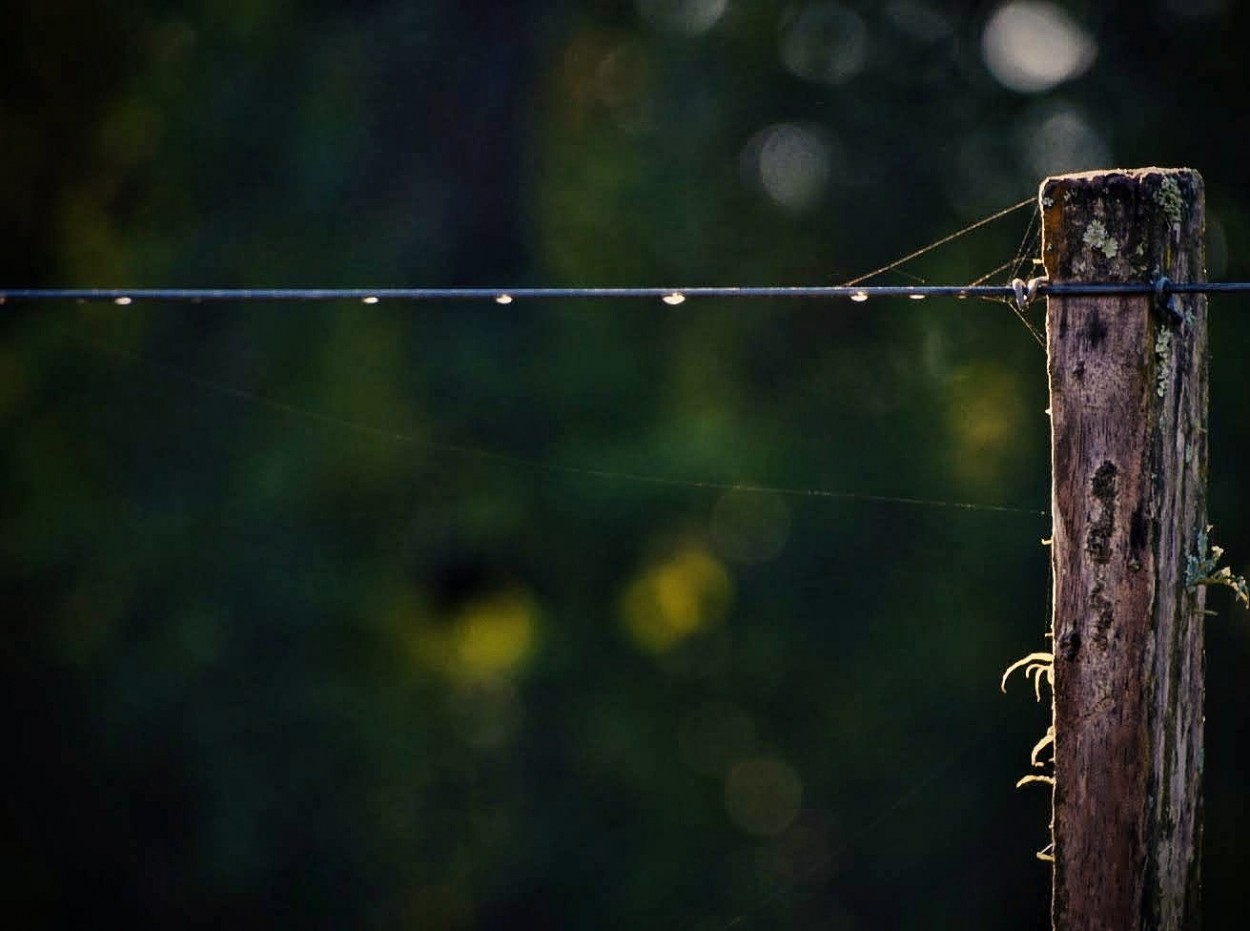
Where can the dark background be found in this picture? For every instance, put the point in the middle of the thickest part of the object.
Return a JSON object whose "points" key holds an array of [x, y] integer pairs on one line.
{"points": [[329, 616]]}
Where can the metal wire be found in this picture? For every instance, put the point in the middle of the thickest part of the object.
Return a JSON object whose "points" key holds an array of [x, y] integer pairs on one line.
{"points": [[125, 296]]}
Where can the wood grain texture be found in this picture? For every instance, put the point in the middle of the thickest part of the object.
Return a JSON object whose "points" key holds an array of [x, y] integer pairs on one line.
{"points": [[1128, 394]]}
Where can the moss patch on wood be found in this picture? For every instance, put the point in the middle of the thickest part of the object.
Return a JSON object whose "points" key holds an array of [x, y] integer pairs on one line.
{"points": [[1097, 237]]}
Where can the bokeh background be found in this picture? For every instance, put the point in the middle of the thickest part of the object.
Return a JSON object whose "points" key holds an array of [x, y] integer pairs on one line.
{"points": [[353, 616]]}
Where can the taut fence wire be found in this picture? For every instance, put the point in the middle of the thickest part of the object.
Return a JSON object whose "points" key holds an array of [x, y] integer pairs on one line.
{"points": [[1017, 291], [1037, 287]]}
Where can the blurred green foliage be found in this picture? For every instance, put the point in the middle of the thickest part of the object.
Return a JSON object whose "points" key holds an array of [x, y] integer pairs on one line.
{"points": [[351, 616]]}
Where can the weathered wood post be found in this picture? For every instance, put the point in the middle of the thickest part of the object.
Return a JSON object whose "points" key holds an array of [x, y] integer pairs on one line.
{"points": [[1128, 404]]}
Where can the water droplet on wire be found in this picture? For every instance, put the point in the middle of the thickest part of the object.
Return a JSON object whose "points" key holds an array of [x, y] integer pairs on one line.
{"points": [[121, 301], [504, 299], [369, 300], [674, 299], [859, 296], [917, 297]]}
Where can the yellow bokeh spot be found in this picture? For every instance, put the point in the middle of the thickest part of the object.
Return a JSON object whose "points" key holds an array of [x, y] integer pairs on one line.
{"points": [[493, 636], [484, 641], [676, 598], [986, 413]]}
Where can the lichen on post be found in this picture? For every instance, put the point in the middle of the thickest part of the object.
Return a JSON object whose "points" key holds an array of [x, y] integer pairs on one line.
{"points": [[1128, 403]]}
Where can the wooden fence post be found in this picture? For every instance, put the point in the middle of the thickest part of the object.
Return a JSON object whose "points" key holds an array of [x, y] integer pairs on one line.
{"points": [[1128, 405]]}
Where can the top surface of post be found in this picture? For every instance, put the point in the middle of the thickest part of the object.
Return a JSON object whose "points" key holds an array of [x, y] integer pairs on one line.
{"points": [[1131, 223]]}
